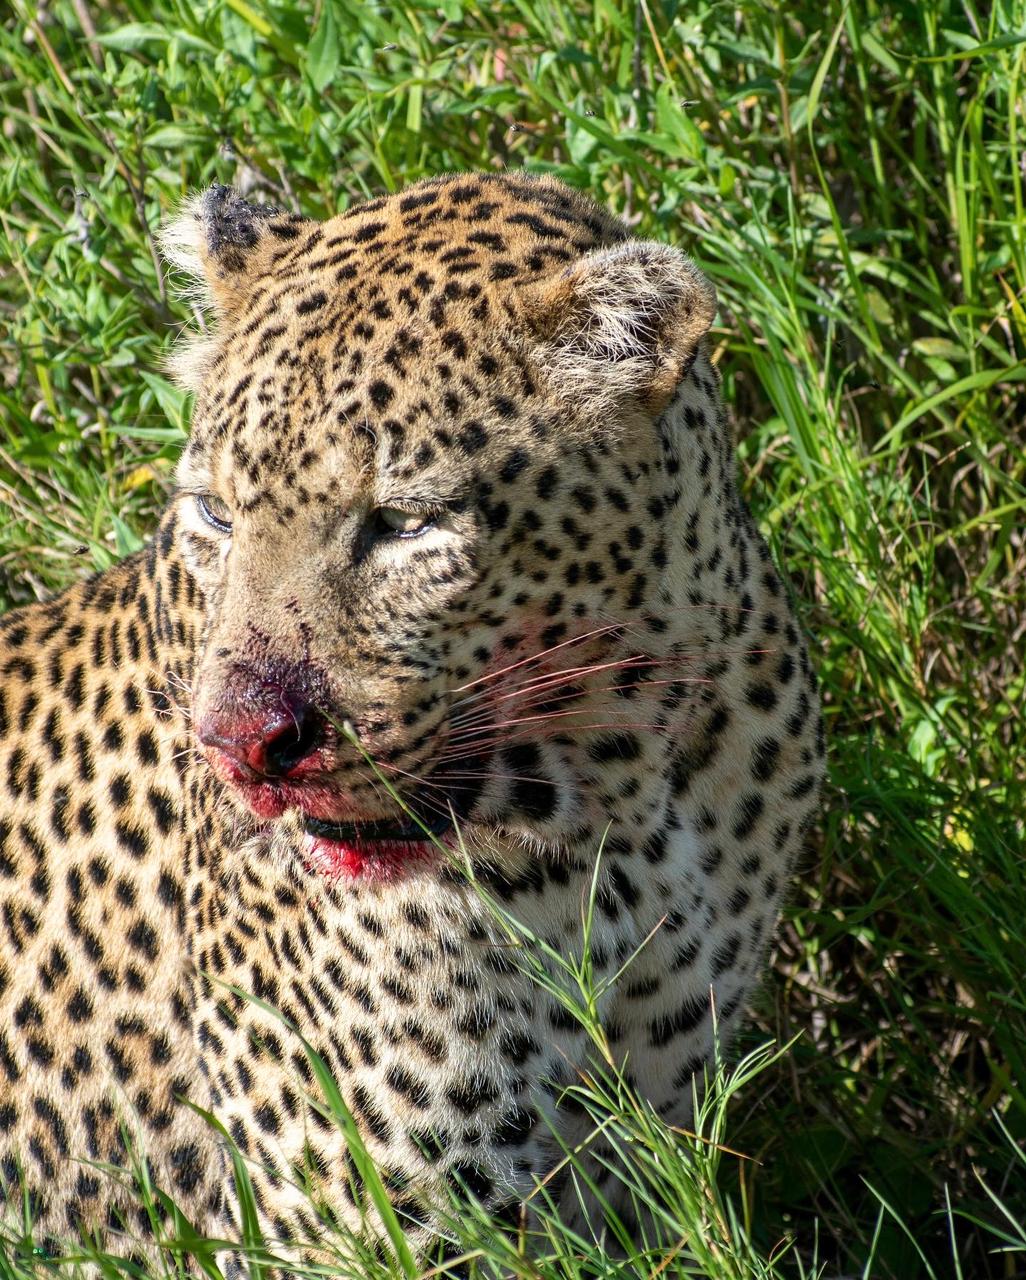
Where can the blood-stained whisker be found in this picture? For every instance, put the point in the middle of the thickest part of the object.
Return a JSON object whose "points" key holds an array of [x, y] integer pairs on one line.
{"points": [[562, 675], [538, 657]]}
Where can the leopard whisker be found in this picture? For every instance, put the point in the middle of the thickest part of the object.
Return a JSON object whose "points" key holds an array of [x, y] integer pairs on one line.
{"points": [[544, 687], [467, 727], [473, 746], [536, 657]]}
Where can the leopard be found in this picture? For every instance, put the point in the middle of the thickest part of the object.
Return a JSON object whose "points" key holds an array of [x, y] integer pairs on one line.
{"points": [[456, 651]]}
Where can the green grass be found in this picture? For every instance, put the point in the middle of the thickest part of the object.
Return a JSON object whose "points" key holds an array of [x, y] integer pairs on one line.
{"points": [[851, 178]]}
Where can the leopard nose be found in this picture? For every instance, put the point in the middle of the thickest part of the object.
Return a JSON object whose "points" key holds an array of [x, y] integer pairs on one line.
{"points": [[268, 746]]}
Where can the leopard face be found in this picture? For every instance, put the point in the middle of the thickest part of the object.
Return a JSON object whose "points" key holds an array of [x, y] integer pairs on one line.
{"points": [[432, 501]]}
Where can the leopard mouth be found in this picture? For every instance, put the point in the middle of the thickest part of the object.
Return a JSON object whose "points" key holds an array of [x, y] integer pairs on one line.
{"points": [[384, 831]]}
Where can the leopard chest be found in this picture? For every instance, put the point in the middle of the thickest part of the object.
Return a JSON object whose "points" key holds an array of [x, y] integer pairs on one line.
{"points": [[445, 1030]]}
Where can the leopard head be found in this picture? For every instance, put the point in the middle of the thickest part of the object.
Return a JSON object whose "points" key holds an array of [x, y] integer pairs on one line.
{"points": [[436, 496]]}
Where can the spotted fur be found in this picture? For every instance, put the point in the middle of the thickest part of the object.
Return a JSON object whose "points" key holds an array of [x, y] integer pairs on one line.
{"points": [[579, 642]]}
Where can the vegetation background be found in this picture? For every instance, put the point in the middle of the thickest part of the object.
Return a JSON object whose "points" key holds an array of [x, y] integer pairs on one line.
{"points": [[851, 175]]}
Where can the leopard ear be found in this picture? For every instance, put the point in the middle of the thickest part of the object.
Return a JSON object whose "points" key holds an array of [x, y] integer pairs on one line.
{"points": [[620, 324], [221, 244]]}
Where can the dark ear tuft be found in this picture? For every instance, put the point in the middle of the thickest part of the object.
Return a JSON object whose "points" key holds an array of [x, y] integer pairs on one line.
{"points": [[233, 226], [221, 244], [219, 237]]}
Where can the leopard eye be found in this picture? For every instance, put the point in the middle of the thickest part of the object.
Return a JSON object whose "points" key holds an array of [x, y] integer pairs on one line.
{"points": [[214, 512], [405, 524]]}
